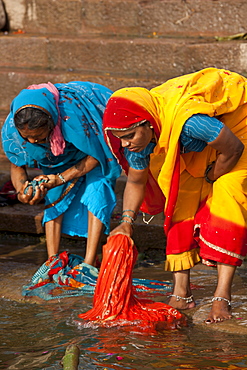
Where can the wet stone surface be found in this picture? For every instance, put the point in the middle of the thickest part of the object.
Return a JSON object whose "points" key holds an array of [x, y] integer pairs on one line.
{"points": [[20, 258]]}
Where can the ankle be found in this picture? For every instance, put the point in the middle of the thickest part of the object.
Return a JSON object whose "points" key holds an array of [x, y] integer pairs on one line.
{"points": [[187, 299]]}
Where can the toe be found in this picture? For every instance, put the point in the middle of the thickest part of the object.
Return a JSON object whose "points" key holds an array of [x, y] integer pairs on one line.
{"points": [[209, 321]]}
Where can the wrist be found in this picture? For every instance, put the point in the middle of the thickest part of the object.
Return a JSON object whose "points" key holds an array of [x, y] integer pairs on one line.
{"points": [[61, 178], [206, 174], [128, 217]]}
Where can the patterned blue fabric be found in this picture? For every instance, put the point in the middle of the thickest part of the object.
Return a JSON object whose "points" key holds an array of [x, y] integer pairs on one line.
{"points": [[139, 160], [81, 107], [66, 275], [197, 131]]}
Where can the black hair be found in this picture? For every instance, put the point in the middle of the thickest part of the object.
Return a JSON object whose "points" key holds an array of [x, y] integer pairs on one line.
{"points": [[34, 118]]}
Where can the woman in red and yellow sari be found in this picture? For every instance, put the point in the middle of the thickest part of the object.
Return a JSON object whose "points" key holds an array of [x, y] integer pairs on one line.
{"points": [[183, 147]]}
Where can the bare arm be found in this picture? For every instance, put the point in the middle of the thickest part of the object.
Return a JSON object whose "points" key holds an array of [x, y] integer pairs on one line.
{"points": [[19, 179], [132, 199], [79, 169], [18, 176], [230, 149]]}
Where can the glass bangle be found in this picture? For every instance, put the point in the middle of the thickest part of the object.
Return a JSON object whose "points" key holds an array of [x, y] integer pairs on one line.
{"points": [[127, 222], [130, 210], [61, 177], [132, 219]]}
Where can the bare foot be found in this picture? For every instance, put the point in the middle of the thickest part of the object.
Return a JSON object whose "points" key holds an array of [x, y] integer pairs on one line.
{"points": [[181, 303], [220, 311]]}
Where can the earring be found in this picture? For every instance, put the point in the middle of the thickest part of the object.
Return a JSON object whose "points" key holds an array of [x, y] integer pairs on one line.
{"points": [[151, 127], [35, 141]]}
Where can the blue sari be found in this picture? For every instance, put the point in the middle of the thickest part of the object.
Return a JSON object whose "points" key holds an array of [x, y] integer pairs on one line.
{"points": [[81, 106]]}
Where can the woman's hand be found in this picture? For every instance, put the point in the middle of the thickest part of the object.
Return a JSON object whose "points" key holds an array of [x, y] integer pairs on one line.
{"points": [[50, 182], [123, 228], [25, 196], [31, 193]]}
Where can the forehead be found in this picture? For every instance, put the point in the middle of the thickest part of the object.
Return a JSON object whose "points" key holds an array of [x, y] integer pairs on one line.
{"points": [[36, 132], [125, 133]]}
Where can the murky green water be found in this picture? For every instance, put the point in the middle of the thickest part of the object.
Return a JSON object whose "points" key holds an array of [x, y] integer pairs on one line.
{"points": [[35, 335]]}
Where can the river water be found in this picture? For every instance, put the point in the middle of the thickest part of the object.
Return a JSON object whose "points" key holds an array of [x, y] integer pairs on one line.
{"points": [[34, 334]]}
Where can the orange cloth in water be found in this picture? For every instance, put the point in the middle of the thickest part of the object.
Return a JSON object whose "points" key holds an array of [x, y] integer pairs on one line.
{"points": [[114, 301]]}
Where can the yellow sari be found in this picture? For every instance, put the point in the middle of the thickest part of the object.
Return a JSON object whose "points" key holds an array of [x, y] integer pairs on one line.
{"points": [[203, 221]]}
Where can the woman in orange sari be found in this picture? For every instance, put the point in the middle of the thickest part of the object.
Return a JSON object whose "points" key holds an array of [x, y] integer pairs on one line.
{"points": [[183, 148]]}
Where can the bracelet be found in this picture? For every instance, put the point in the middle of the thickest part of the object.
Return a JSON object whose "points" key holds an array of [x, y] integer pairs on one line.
{"points": [[61, 177], [206, 173], [127, 222], [132, 219], [130, 210]]}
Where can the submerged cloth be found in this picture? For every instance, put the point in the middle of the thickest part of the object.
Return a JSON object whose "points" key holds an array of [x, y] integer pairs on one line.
{"points": [[81, 106], [197, 213], [67, 275], [114, 301]]}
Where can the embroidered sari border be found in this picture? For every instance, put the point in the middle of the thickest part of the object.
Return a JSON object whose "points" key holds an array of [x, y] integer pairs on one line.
{"points": [[63, 195]]}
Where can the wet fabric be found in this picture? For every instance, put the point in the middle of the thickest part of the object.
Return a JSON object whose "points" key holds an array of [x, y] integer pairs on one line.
{"points": [[66, 275], [114, 300], [81, 106], [197, 213]]}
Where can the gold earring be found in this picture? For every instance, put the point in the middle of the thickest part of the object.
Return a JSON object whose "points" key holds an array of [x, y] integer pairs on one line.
{"points": [[35, 141], [151, 127]]}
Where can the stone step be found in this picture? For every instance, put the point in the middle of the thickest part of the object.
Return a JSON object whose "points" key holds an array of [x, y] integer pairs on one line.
{"points": [[128, 17], [26, 219], [116, 43], [114, 62], [15, 79]]}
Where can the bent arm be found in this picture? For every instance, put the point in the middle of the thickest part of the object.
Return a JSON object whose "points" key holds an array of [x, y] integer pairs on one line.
{"points": [[81, 168], [19, 179], [230, 149]]}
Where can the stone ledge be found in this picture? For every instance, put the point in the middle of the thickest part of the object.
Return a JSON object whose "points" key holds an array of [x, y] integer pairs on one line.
{"points": [[26, 219], [114, 63], [80, 17]]}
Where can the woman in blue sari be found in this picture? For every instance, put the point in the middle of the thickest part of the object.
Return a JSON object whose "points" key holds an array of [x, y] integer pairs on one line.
{"points": [[58, 128]]}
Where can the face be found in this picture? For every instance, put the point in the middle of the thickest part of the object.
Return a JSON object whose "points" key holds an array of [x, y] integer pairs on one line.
{"points": [[37, 136], [135, 139]]}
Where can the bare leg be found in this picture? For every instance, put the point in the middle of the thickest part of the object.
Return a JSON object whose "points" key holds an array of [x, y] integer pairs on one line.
{"points": [[95, 227], [221, 310], [181, 288], [53, 235]]}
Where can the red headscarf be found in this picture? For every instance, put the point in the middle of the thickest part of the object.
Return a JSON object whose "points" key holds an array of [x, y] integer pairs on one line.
{"points": [[125, 108]]}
